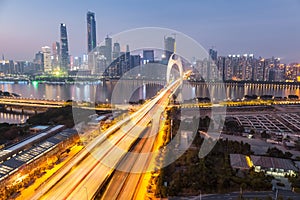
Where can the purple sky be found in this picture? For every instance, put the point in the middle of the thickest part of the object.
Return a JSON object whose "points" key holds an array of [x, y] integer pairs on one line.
{"points": [[266, 28]]}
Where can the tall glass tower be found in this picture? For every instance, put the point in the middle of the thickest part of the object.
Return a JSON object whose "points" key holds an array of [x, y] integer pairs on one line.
{"points": [[108, 50], [169, 47], [64, 47], [91, 31]]}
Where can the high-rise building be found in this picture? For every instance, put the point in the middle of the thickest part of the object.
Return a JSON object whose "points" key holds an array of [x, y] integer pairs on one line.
{"points": [[213, 54], [47, 59], [108, 50], [97, 60], [221, 64], [7, 66], [148, 56], [292, 72], [77, 63], [135, 60], [64, 48], [116, 50], [55, 54], [38, 62], [20, 66], [169, 47], [119, 66], [71, 62], [91, 31]]}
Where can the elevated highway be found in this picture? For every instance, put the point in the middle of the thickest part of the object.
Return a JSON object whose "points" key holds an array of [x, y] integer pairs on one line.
{"points": [[92, 167]]}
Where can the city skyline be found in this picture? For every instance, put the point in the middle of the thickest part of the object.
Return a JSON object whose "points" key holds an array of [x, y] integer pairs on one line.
{"points": [[269, 27]]}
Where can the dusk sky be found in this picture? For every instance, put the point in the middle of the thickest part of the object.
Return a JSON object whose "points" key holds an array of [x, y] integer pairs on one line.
{"points": [[262, 27]]}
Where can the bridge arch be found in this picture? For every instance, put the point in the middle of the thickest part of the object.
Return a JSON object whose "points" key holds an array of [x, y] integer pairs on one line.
{"points": [[174, 61]]}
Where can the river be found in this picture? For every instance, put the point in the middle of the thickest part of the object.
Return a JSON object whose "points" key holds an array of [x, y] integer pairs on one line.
{"points": [[133, 90]]}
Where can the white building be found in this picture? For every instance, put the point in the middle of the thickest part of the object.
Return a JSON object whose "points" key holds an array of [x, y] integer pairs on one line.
{"points": [[47, 59]]}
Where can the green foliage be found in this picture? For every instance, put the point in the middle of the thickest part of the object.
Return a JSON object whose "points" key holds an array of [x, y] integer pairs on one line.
{"points": [[211, 174], [11, 132], [295, 182], [265, 135], [297, 146], [233, 126], [67, 116], [274, 152], [53, 116], [280, 197]]}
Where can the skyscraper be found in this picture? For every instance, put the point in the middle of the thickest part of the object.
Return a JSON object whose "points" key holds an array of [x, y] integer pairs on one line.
{"points": [[91, 31], [169, 47], [116, 50], [135, 60], [108, 50], [213, 54], [148, 56], [39, 61], [55, 54], [47, 59], [64, 47]]}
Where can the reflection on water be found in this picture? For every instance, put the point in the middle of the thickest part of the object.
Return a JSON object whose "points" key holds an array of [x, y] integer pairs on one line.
{"points": [[12, 118], [234, 91], [139, 90], [134, 90]]}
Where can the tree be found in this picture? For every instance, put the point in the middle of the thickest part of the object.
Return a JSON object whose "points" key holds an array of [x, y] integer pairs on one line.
{"points": [[274, 152], [297, 145], [265, 135], [280, 198]]}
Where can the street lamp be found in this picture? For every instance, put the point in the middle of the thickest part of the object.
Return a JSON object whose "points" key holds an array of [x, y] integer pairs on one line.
{"points": [[276, 194], [171, 129], [86, 192], [200, 195]]}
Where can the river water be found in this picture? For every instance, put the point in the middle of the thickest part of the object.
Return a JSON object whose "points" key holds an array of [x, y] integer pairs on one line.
{"points": [[133, 90]]}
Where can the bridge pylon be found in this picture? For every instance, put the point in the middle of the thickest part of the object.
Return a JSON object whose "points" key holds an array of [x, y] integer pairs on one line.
{"points": [[174, 61]]}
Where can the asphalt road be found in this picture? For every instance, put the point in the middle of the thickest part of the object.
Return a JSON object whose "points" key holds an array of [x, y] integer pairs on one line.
{"points": [[247, 195]]}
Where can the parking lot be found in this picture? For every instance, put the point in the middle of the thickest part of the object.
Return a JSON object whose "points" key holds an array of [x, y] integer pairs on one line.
{"points": [[260, 123], [292, 119]]}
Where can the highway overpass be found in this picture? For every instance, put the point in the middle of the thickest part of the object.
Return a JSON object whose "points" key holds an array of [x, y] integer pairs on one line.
{"points": [[86, 172]]}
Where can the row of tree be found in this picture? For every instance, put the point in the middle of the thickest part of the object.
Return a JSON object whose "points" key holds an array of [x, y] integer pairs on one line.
{"points": [[211, 174]]}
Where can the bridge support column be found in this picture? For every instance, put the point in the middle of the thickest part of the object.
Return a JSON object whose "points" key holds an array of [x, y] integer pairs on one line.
{"points": [[179, 96]]}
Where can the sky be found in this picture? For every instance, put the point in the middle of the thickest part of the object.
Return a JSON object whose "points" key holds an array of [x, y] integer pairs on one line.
{"points": [[263, 27]]}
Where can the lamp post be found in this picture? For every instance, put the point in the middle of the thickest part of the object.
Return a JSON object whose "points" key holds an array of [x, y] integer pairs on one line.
{"points": [[171, 129], [276, 194], [86, 192], [200, 195]]}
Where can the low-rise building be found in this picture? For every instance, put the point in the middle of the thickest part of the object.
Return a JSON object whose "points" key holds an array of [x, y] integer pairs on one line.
{"points": [[238, 161], [274, 166], [269, 165]]}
